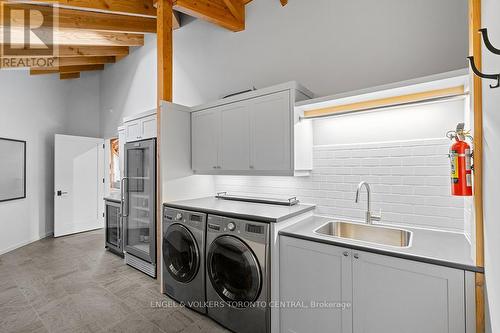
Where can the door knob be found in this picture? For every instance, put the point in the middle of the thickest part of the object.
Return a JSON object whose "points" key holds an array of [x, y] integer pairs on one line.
{"points": [[60, 193]]}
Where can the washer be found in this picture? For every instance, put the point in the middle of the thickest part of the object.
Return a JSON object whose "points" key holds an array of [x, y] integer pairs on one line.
{"points": [[238, 274], [184, 257]]}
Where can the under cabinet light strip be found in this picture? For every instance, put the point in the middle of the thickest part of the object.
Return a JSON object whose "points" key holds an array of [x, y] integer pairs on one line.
{"points": [[386, 103]]}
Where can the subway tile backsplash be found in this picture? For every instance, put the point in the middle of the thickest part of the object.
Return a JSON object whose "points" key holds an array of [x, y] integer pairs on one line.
{"points": [[409, 179]]}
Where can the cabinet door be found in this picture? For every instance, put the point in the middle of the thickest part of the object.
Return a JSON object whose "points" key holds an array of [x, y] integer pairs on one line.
{"points": [[235, 137], [148, 127], [205, 140], [133, 130], [392, 295], [272, 132], [113, 225], [314, 273]]}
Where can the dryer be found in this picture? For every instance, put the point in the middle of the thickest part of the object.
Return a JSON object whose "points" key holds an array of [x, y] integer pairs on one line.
{"points": [[184, 257], [238, 274]]}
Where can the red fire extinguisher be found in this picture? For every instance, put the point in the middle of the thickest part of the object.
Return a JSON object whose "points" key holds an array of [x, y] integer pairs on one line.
{"points": [[461, 162]]}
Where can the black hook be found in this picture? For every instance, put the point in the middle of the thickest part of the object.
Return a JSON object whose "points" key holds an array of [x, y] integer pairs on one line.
{"points": [[487, 42], [484, 76]]}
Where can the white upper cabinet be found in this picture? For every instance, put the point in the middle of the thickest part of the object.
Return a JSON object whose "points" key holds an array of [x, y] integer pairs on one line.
{"points": [[235, 137], [271, 126], [205, 140], [252, 134], [141, 127]]}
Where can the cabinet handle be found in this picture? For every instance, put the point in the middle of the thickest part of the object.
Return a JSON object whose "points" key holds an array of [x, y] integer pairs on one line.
{"points": [[251, 166], [356, 256], [215, 167], [346, 254]]}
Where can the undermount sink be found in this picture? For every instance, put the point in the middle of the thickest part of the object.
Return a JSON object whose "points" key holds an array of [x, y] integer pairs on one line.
{"points": [[366, 233]]}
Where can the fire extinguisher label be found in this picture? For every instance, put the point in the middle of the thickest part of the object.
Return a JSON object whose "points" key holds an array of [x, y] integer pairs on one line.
{"points": [[468, 160], [469, 180], [454, 166]]}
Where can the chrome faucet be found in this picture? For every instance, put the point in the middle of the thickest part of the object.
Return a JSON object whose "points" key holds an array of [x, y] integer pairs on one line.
{"points": [[369, 216]]}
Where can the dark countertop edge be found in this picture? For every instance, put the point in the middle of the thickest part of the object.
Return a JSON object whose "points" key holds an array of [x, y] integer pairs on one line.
{"points": [[255, 218], [427, 260], [112, 199]]}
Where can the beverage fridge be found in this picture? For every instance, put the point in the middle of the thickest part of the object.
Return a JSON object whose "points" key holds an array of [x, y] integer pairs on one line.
{"points": [[139, 206]]}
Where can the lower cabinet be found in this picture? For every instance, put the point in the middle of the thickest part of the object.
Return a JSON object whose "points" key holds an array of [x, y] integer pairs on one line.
{"points": [[360, 292], [312, 276]]}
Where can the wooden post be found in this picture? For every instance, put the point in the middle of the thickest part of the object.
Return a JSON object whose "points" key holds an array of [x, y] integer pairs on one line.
{"points": [[475, 50], [164, 84]]}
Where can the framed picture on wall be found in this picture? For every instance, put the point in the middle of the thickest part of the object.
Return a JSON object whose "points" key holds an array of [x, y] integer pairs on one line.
{"points": [[12, 169]]}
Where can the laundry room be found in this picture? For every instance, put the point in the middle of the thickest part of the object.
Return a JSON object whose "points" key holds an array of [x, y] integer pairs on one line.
{"points": [[249, 166]]}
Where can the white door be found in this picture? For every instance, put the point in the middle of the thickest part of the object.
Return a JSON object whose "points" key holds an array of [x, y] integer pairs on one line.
{"points": [[78, 184], [206, 137], [271, 132], [235, 142], [315, 282], [392, 295]]}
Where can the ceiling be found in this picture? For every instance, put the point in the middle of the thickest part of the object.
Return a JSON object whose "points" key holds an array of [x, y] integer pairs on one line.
{"points": [[93, 33]]}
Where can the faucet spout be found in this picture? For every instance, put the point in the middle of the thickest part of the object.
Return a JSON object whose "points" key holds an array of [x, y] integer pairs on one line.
{"points": [[369, 216]]}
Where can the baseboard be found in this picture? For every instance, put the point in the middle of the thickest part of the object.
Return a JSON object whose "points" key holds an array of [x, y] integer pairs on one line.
{"points": [[19, 245]]}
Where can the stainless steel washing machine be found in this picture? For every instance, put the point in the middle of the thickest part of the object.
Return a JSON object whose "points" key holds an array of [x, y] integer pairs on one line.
{"points": [[184, 257], [238, 272]]}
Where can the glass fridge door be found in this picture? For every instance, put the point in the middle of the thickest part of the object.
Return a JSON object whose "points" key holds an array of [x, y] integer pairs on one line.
{"points": [[113, 225], [140, 199]]}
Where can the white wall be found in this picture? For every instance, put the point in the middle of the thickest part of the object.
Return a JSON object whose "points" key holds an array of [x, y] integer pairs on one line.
{"points": [[128, 87], [34, 108], [330, 47], [491, 155]]}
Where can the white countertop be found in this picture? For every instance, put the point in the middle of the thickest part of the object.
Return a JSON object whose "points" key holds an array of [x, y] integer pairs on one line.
{"points": [[243, 210], [432, 246]]}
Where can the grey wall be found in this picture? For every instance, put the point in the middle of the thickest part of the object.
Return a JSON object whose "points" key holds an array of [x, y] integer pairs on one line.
{"points": [[330, 46], [128, 87], [34, 108], [491, 155]]}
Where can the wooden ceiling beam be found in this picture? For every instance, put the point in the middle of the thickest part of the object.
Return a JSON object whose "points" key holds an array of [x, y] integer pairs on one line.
{"points": [[66, 69], [214, 11], [77, 37], [69, 76], [7, 62], [85, 20], [77, 61], [77, 51], [237, 8], [124, 7]]}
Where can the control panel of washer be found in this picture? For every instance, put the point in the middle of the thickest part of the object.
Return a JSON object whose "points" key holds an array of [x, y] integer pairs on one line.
{"points": [[184, 217], [224, 225]]}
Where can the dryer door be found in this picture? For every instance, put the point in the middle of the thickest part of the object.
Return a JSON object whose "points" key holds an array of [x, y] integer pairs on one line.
{"points": [[234, 271], [180, 253]]}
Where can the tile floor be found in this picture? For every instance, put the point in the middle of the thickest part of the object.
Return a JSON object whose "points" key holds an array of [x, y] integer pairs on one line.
{"points": [[72, 284]]}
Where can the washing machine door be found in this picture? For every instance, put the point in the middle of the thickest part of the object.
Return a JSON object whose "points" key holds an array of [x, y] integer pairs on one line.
{"points": [[234, 270], [180, 253]]}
